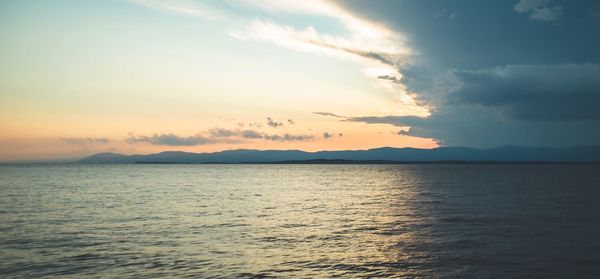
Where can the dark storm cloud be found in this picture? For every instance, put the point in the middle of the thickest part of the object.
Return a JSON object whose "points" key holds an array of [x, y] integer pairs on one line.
{"points": [[477, 126], [533, 93], [538, 105], [170, 140], [527, 75], [488, 34]]}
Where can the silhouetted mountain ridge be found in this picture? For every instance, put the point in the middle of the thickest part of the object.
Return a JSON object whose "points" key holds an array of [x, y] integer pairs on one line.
{"points": [[586, 154]]}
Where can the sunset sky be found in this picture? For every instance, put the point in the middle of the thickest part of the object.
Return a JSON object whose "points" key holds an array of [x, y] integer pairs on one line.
{"points": [[144, 76]]}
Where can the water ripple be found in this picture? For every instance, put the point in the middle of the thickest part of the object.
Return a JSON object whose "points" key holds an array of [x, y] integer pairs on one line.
{"points": [[307, 221]]}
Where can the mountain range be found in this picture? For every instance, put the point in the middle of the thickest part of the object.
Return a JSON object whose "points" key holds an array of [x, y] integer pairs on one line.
{"points": [[581, 154]]}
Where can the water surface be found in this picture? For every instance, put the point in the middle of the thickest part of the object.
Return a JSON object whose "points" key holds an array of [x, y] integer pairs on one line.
{"points": [[448, 221]]}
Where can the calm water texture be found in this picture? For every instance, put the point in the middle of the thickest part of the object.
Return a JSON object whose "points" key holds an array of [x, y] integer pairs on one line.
{"points": [[451, 221]]}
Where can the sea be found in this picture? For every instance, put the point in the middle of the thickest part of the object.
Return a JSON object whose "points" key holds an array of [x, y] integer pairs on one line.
{"points": [[299, 221]]}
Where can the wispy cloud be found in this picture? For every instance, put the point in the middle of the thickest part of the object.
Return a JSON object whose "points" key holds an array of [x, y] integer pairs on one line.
{"points": [[389, 119], [182, 7], [85, 140], [324, 113], [379, 50], [310, 40], [539, 9], [170, 140]]}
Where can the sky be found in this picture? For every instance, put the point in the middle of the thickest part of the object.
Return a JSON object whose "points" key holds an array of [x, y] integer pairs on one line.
{"points": [[145, 76]]}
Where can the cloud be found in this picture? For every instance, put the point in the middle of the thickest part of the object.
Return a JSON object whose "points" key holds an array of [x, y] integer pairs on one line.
{"points": [[288, 137], [84, 140], [443, 12], [249, 124], [255, 124], [372, 44], [439, 13], [403, 132], [251, 134], [272, 123], [221, 133], [533, 92], [389, 77], [388, 119], [547, 13], [381, 45], [328, 114], [387, 58], [527, 5], [539, 9], [362, 37], [359, 29], [504, 81], [474, 127], [476, 99], [328, 135], [182, 7], [379, 50], [531, 105], [215, 135], [170, 140]]}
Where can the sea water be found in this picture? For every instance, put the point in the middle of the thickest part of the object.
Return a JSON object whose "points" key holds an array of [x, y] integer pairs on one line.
{"points": [[429, 221]]}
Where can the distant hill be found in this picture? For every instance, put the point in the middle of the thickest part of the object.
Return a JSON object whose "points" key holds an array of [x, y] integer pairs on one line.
{"points": [[584, 154]]}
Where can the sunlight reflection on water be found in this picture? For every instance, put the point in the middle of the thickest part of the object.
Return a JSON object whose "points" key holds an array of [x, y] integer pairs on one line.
{"points": [[299, 220]]}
